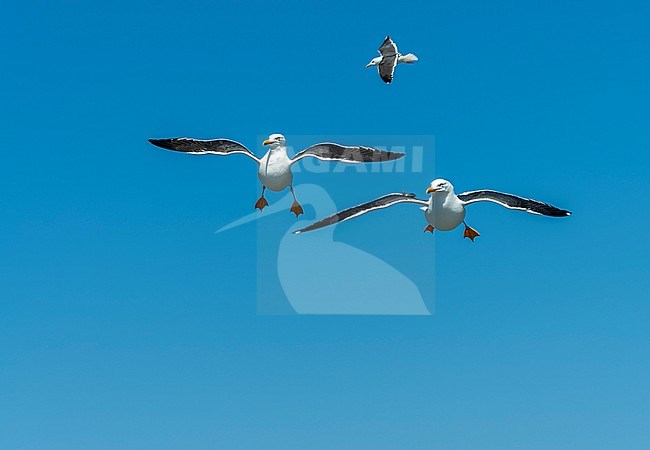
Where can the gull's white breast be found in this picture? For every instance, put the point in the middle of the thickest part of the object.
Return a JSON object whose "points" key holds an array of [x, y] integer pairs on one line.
{"points": [[274, 170], [445, 213]]}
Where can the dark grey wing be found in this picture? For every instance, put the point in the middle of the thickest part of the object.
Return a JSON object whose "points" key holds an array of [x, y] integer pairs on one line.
{"points": [[388, 47], [201, 147], [328, 151], [513, 202], [355, 211], [386, 67]]}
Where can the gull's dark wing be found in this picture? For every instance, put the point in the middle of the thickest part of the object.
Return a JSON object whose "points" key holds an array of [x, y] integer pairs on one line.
{"points": [[355, 211], [386, 67], [513, 202], [204, 147], [328, 151], [388, 47]]}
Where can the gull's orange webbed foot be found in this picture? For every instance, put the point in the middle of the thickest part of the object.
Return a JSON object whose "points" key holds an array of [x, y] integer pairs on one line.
{"points": [[428, 228], [470, 233], [296, 209], [261, 203]]}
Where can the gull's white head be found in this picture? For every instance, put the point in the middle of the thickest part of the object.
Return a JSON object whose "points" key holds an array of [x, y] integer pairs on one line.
{"points": [[275, 140], [374, 61], [439, 186]]}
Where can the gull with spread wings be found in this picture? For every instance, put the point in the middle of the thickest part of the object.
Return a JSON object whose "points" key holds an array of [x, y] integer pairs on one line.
{"points": [[389, 58], [274, 168], [444, 210]]}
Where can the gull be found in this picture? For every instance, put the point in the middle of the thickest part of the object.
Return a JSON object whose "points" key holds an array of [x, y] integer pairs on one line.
{"points": [[274, 168], [444, 210], [389, 58]]}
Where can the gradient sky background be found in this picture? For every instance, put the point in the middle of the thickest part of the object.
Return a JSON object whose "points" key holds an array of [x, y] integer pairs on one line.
{"points": [[125, 322]]}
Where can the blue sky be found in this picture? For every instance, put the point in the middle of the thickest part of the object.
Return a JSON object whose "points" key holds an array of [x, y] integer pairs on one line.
{"points": [[125, 322]]}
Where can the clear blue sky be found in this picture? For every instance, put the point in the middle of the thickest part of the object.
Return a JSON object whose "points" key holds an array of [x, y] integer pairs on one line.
{"points": [[125, 322]]}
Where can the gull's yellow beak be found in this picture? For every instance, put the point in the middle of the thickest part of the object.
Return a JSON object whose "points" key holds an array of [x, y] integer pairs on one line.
{"points": [[430, 190], [267, 142]]}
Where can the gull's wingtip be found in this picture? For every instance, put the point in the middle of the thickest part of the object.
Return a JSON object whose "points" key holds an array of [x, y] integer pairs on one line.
{"points": [[389, 156], [157, 142], [561, 213], [166, 143], [392, 156]]}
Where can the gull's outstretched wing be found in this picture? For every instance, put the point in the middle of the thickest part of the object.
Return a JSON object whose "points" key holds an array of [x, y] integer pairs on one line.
{"points": [[513, 202], [355, 211], [329, 151], [386, 67], [201, 147]]}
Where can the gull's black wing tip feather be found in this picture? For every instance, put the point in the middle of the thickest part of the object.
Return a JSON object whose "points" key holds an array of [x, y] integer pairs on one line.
{"points": [[371, 154], [562, 213], [384, 156], [548, 210], [389, 156], [163, 143]]}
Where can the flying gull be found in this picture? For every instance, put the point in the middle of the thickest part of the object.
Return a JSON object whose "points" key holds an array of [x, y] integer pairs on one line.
{"points": [[444, 210], [274, 168], [389, 58]]}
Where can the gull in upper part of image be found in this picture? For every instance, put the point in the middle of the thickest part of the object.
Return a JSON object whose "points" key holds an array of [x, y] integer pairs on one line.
{"points": [[389, 58], [274, 168], [444, 210]]}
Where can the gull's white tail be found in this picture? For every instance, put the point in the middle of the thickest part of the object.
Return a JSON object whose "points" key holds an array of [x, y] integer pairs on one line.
{"points": [[408, 59]]}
